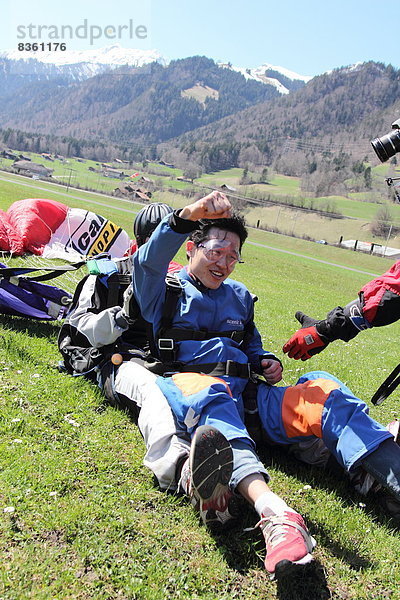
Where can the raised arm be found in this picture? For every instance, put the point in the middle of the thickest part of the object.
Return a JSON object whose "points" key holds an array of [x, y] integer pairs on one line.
{"points": [[150, 263]]}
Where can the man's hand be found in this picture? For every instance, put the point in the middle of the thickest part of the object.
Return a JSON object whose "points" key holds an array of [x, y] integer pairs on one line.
{"points": [[272, 370], [213, 206], [306, 341]]}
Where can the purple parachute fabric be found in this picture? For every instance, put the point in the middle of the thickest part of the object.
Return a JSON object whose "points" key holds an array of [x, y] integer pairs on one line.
{"points": [[24, 297]]}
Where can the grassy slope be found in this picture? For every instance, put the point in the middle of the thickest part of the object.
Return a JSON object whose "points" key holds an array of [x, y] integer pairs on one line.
{"points": [[88, 521], [358, 210], [358, 205]]}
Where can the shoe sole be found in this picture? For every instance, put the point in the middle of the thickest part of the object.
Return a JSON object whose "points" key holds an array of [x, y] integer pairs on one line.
{"points": [[211, 462]]}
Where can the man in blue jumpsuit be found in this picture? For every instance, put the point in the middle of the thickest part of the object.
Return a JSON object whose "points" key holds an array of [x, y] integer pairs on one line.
{"points": [[216, 348]]}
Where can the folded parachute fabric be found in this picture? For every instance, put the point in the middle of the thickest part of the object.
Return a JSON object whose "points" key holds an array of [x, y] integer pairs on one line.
{"points": [[53, 230]]}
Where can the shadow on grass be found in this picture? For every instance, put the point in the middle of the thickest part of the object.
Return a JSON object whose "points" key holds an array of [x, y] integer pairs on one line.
{"points": [[310, 584], [21, 348], [245, 554], [38, 329]]}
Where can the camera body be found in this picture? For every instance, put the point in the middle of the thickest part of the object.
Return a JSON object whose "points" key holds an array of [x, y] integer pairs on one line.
{"points": [[388, 145]]}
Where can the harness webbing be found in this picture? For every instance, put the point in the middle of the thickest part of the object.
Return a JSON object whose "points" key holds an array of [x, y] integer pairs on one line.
{"points": [[219, 369], [114, 283], [168, 336], [180, 335], [52, 272], [172, 294]]}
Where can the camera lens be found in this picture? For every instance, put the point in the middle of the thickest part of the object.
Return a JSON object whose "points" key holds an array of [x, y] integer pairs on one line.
{"points": [[387, 146]]}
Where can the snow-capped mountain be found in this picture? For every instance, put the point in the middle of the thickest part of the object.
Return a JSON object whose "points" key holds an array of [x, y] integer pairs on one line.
{"points": [[282, 79], [113, 56], [78, 65]]}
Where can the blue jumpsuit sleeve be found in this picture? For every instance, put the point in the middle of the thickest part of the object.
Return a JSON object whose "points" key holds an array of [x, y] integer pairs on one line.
{"points": [[150, 266]]}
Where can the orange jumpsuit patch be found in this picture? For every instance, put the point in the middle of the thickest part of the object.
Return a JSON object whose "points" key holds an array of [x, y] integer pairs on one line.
{"points": [[192, 383], [303, 405]]}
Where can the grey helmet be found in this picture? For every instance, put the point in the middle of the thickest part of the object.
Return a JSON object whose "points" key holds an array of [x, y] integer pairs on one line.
{"points": [[147, 220]]}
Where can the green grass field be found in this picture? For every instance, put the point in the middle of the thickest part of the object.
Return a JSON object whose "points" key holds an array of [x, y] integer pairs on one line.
{"points": [[288, 220], [359, 205], [80, 517]]}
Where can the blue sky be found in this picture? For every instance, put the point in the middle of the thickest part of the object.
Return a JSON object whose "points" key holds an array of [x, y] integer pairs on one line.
{"points": [[308, 37]]}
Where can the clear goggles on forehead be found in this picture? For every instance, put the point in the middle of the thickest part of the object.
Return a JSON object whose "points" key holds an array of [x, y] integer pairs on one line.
{"points": [[215, 249]]}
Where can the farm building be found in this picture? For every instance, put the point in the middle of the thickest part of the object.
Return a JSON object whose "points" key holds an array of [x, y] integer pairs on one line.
{"points": [[227, 188], [9, 154], [109, 172], [30, 168], [132, 192]]}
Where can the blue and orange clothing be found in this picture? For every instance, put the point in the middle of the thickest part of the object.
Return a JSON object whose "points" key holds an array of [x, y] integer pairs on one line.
{"points": [[318, 406], [228, 308]]}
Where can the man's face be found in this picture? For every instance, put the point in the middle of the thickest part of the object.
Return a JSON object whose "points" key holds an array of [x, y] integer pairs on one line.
{"points": [[213, 260]]}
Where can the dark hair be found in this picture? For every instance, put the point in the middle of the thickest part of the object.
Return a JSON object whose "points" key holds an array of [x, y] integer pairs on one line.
{"points": [[235, 224]]}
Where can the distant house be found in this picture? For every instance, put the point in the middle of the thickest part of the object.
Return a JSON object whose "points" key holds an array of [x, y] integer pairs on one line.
{"points": [[186, 179], [142, 196], [227, 188], [162, 162], [143, 191], [24, 157], [130, 191], [9, 154], [371, 248], [110, 172], [47, 156], [27, 167]]}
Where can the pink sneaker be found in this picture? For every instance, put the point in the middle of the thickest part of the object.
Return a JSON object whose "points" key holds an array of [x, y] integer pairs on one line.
{"points": [[288, 543]]}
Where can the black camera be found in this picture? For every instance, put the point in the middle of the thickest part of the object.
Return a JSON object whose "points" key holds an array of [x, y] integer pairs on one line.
{"points": [[387, 146]]}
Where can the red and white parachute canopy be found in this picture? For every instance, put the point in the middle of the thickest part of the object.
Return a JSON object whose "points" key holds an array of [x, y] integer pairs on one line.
{"points": [[53, 230]]}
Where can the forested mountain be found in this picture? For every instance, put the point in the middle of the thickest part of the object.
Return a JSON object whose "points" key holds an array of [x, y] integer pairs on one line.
{"points": [[146, 105], [196, 112], [337, 112]]}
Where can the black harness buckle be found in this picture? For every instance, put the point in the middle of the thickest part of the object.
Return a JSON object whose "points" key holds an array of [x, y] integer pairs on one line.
{"points": [[235, 369]]}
